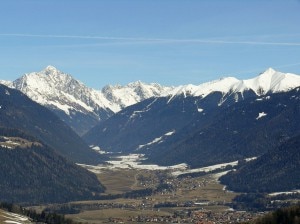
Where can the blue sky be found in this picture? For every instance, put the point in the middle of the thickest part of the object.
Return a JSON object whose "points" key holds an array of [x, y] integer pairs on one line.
{"points": [[171, 42]]}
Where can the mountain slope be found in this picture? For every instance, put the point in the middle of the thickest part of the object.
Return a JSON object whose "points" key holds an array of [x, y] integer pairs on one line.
{"points": [[276, 171], [245, 129], [135, 125], [79, 106], [193, 120], [32, 173], [18, 111]]}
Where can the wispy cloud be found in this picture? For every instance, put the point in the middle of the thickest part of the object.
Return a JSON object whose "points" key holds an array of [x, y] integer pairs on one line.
{"points": [[132, 40]]}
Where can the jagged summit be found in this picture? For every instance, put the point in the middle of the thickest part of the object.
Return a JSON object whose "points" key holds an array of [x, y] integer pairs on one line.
{"points": [[50, 70], [72, 100], [133, 92]]}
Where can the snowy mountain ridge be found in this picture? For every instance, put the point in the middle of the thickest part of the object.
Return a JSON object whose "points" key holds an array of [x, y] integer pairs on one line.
{"points": [[83, 107], [270, 81], [62, 93], [52, 87], [132, 93]]}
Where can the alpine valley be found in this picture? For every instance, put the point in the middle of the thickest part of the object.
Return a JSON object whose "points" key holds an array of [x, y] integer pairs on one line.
{"points": [[243, 130], [216, 122]]}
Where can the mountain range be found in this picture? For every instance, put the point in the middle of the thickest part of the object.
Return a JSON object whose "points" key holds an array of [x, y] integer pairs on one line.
{"points": [[200, 125], [82, 107], [206, 124], [79, 106]]}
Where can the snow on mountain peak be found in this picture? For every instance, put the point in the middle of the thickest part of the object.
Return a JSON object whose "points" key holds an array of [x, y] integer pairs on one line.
{"points": [[61, 92], [55, 89], [269, 71], [51, 69], [223, 85], [270, 81], [133, 92]]}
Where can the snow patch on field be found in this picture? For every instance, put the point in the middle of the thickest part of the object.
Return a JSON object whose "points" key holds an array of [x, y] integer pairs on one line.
{"points": [[250, 159], [206, 169], [200, 110], [218, 175], [131, 161], [14, 218], [284, 192], [211, 168], [134, 161], [260, 115]]}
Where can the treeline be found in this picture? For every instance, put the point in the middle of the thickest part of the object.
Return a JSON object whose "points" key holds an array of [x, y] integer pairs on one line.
{"points": [[289, 215], [76, 208], [261, 202], [43, 217], [138, 193]]}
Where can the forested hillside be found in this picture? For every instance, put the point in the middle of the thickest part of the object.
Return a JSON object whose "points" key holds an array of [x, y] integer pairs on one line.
{"points": [[245, 129], [289, 215], [277, 170], [32, 173]]}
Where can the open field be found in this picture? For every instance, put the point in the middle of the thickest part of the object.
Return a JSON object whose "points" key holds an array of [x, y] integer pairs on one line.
{"points": [[103, 216], [120, 180]]}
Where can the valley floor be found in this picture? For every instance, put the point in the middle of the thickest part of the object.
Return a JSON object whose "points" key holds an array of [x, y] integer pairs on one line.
{"points": [[185, 199], [172, 199], [190, 200]]}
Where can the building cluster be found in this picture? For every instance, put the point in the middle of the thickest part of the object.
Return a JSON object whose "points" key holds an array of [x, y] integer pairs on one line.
{"points": [[198, 217]]}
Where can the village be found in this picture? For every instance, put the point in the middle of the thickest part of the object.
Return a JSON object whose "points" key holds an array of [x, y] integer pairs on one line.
{"points": [[171, 200]]}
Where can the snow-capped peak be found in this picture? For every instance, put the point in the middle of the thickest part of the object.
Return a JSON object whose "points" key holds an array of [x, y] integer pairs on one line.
{"points": [[51, 70], [61, 92], [56, 89], [133, 92], [270, 81], [269, 71]]}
